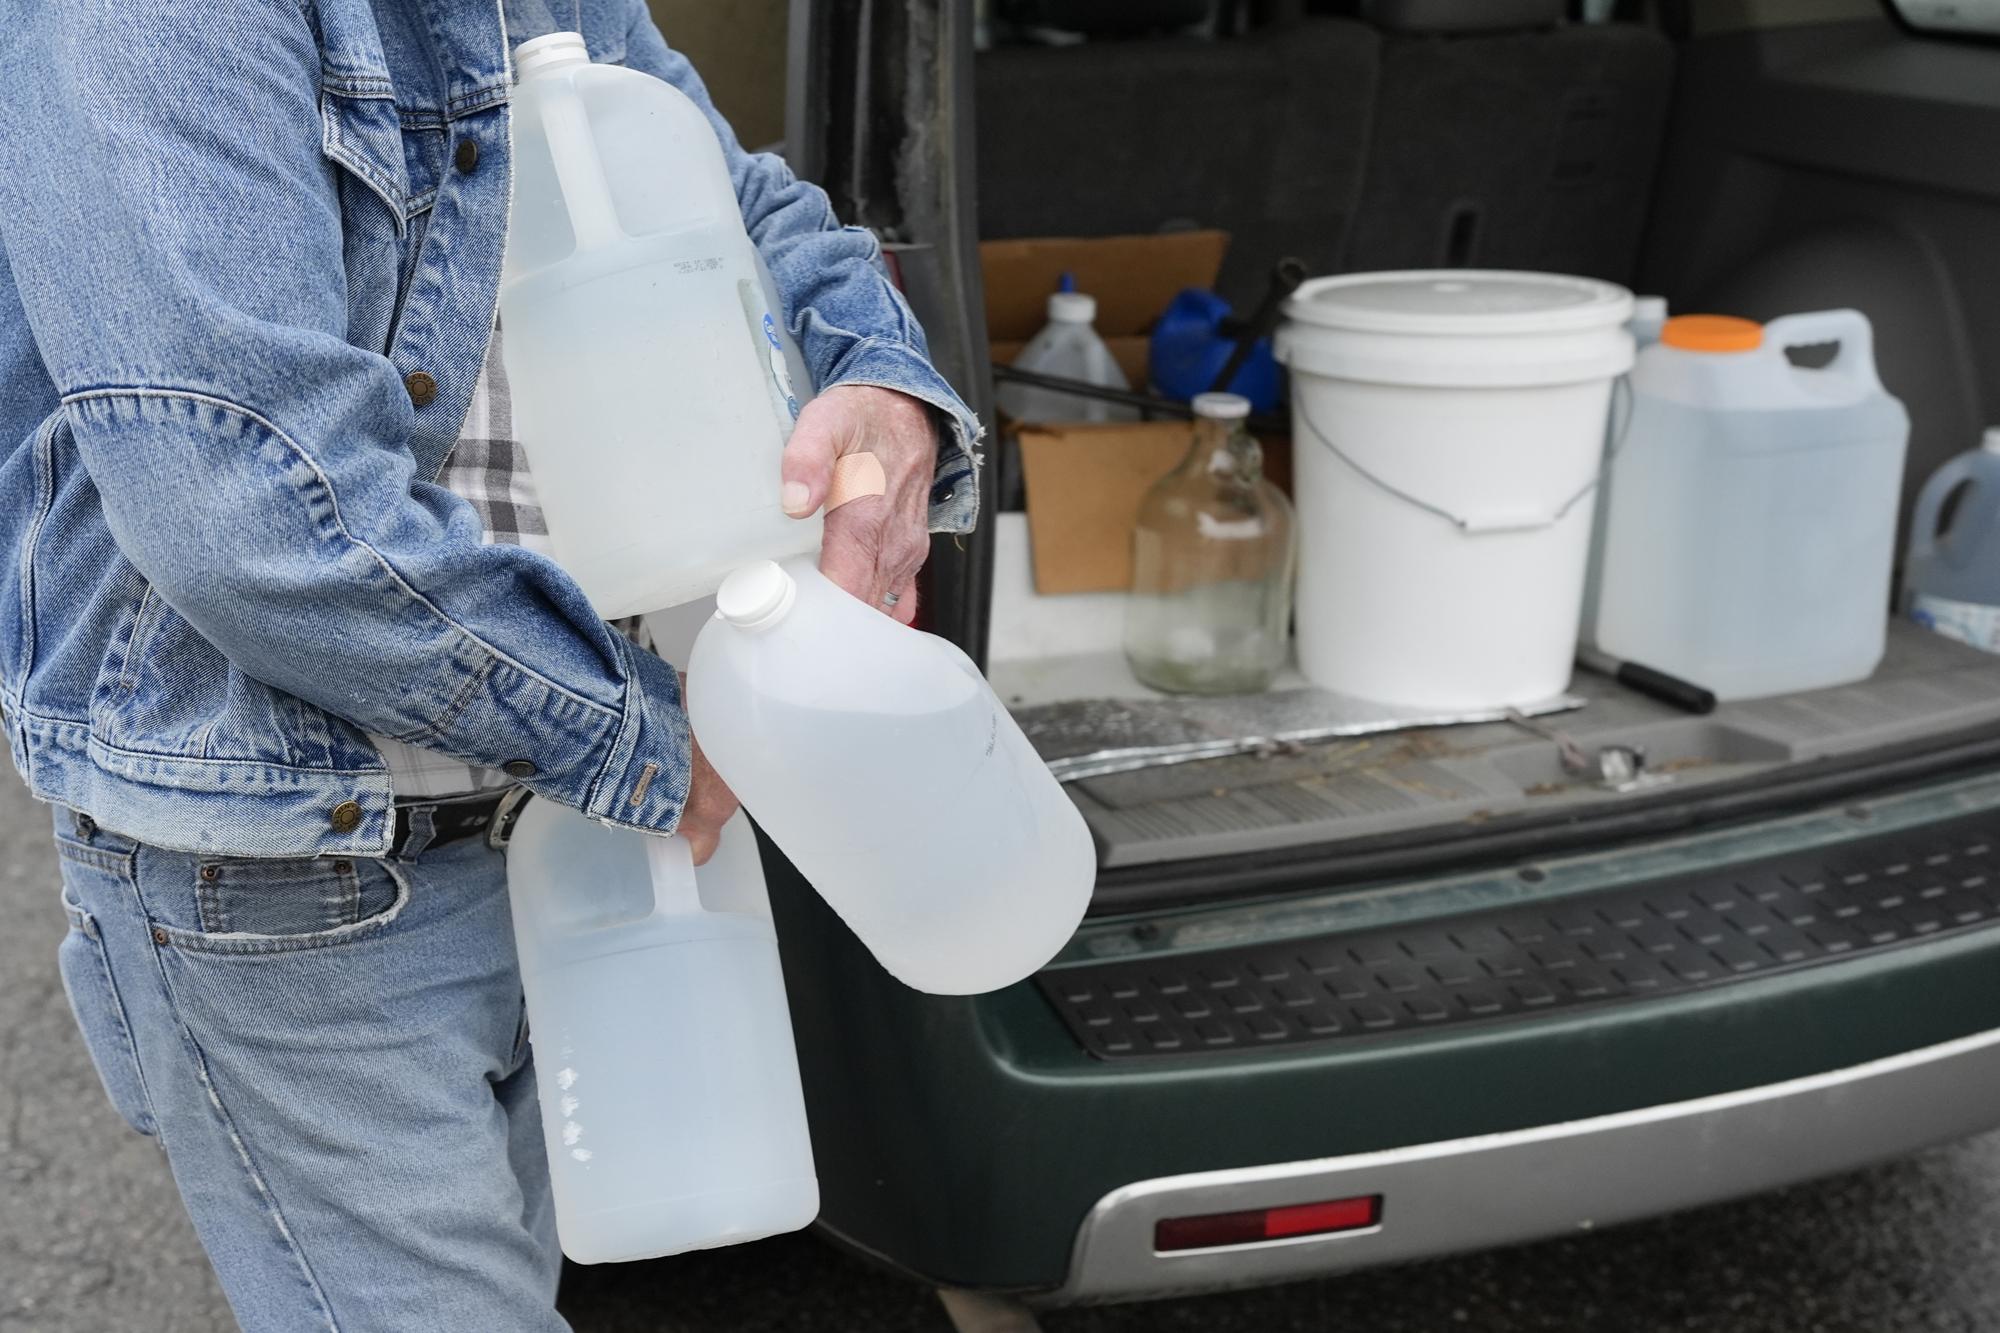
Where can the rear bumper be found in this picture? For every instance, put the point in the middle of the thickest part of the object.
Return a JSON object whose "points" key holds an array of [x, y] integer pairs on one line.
{"points": [[1475, 1193], [978, 1143]]}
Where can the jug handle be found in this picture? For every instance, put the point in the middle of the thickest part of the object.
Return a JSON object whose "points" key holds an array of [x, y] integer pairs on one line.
{"points": [[1850, 328], [1924, 534], [593, 217], [671, 861]]}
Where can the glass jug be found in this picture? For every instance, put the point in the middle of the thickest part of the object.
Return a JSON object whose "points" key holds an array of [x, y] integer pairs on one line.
{"points": [[1212, 558]]}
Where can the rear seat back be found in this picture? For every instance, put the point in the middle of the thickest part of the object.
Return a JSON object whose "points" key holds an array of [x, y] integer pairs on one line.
{"points": [[1262, 136], [1526, 149]]}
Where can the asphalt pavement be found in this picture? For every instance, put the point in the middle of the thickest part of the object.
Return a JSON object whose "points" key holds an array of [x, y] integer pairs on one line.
{"points": [[92, 1238]]}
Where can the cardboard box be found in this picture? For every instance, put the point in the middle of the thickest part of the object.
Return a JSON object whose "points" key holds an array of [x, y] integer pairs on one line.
{"points": [[1132, 277], [1084, 487]]}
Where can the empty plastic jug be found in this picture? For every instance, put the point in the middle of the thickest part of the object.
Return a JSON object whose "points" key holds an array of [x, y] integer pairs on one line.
{"points": [[1751, 523], [879, 760], [653, 382], [1951, 580], [1068, 346], [671, 1106]]}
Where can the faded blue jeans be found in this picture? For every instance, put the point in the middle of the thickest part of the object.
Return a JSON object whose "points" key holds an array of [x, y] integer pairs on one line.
{"points": [[334, 1054]]}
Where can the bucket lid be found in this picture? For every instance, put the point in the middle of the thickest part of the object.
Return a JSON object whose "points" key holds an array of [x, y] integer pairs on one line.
{"points": [[1460, 302]]}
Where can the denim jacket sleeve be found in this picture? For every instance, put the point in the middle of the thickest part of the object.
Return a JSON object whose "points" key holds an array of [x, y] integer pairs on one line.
{"points": [[177, 241], [851, 323]]}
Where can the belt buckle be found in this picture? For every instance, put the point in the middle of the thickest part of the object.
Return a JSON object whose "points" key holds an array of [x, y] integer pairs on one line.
{"points": [[501, 831]]}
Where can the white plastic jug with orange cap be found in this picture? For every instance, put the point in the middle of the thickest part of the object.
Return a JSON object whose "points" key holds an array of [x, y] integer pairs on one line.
{"points": [[1751, 521]]}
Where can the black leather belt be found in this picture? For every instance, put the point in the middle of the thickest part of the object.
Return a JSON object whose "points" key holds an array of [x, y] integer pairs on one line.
{"points": [[457, 819]]}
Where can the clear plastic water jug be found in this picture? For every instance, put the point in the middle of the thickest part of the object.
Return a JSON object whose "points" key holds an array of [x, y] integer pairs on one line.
{"points": [[1951, 581], [1751, 522], [879, 760], [671, 1106], [654, 384], [1068, 346]]}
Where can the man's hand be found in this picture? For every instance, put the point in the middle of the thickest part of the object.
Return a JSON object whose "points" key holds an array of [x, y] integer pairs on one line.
{"points": [[873, 546], [709, 805]]}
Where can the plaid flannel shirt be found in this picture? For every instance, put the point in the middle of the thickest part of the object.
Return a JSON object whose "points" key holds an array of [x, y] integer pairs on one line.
{"points": [[488, 468]]}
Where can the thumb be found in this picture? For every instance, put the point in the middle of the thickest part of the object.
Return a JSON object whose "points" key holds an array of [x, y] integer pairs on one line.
{"points": [[809, 458]]}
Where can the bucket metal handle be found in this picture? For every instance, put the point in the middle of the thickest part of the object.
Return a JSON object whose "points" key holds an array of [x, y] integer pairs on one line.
{"points": [[1480, 524]]}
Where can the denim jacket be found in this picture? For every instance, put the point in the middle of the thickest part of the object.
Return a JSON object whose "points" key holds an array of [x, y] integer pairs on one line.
{"points": [[249, 254]]}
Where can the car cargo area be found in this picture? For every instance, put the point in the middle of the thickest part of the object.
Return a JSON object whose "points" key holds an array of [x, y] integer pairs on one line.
{"points": [[1508, 966], [1928, 691], [1757, 173]]}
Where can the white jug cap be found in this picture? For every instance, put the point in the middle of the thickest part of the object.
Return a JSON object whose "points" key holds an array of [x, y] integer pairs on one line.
{"points": [[1991, 443], [554, 50], [1221, 406], [1072, 307], [756, 595]]}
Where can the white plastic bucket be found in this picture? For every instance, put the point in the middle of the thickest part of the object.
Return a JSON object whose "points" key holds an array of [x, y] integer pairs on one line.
{"points": [[1448, 428]]}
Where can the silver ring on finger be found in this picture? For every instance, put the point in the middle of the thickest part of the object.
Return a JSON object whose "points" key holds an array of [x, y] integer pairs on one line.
{"points": [[891, 598]]}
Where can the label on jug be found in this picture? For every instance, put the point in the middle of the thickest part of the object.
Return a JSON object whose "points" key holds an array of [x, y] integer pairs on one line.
{"points": [[765, 330], [780, 372], [1969, 622]]}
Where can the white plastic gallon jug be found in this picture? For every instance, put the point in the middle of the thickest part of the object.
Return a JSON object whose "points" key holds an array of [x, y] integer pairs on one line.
{"points": [[654, 385], [1951, 580], [881, 762], [1447, 430], [1068, 346], [671, 1106], [1752, 521]]}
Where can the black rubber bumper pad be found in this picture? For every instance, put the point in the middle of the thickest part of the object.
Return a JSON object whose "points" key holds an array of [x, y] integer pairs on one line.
{"points": [[1662, 937]]}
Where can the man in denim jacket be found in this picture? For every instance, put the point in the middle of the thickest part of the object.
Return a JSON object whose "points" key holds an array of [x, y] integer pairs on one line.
{"points": [[271, 626]]}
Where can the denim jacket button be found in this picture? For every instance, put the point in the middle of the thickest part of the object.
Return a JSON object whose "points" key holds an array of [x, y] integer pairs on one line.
{"points": [[519, 768], [346, 817], [467, 156], [421, 386]]}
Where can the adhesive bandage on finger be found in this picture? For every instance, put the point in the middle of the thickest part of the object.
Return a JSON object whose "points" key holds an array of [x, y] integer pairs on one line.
{"points": [[855, 476]]}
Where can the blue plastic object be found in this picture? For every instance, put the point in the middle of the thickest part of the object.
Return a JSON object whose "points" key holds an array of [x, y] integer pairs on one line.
{"points": [[1189, 350]]}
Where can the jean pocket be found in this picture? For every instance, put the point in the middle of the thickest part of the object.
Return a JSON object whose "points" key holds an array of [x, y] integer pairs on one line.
{"points": [[100, 1016], [281, 906]]}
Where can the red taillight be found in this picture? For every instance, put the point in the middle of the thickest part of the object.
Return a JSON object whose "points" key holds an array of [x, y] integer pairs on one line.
{"points": [[1258, 1224]]}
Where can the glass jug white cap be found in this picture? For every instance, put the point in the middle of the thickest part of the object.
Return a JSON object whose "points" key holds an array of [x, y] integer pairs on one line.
{"points": [[756, 595], [1221, 406], [538, 55]]}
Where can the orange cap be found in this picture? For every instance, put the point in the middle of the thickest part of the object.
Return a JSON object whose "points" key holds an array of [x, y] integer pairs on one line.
{"points": [[1712, 333]]}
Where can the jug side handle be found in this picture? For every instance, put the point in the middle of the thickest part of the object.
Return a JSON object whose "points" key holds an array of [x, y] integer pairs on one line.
{"points": [[1924, 534], [593, 217], [1850, 328], [671, 862]]}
